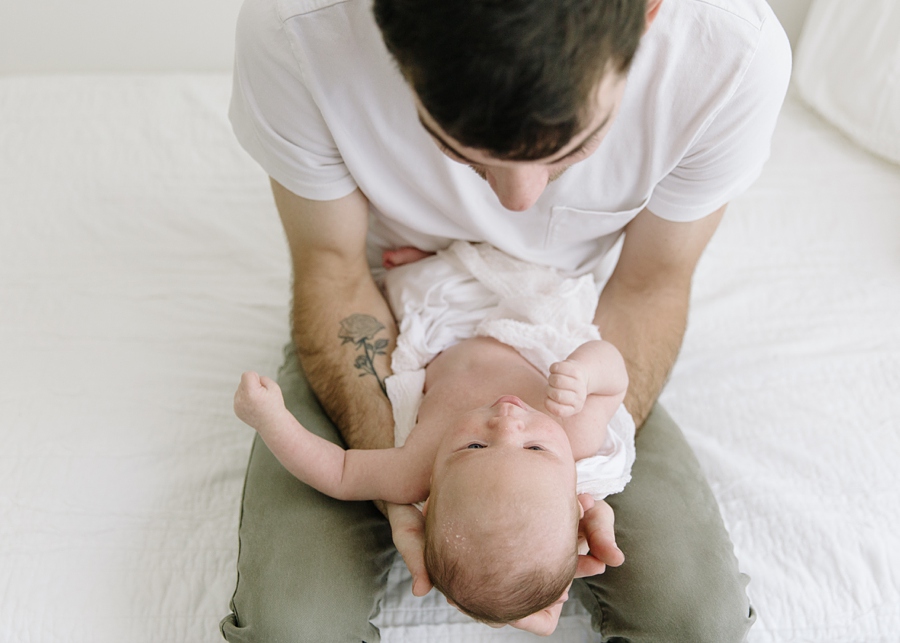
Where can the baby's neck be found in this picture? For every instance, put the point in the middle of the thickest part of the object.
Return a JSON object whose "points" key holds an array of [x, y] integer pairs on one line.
{"points": [[475, 373]]}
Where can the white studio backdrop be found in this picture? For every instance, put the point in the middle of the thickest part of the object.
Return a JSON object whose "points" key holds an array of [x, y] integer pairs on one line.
{"points": [[126, 36], [122, 36]]}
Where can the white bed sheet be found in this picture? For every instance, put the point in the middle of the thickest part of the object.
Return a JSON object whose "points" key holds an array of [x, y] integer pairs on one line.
{"points": [[142, 268]]}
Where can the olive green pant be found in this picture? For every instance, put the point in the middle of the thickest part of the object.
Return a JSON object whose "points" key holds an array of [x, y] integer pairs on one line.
{"points": [[313, 570]]}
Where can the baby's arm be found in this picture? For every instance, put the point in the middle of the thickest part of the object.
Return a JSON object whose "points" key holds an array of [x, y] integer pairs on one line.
{"points": [[393, 475], [585, 390]]}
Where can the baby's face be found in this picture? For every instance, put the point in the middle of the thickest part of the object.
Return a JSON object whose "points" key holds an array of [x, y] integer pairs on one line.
{"points": [[511, 431], [506, 457]]}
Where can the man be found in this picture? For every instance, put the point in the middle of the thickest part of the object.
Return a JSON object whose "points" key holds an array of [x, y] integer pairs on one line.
{"points": [[582, 119]]}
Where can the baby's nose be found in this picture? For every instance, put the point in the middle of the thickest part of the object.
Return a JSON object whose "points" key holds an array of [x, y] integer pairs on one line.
{"points": [[507, 423]]}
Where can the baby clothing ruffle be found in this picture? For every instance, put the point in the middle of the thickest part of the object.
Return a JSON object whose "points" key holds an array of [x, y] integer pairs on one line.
{"points": [[474, 290]]}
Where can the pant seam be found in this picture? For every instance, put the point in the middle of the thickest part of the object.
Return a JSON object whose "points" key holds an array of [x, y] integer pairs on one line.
{"points": [[237, 583]]}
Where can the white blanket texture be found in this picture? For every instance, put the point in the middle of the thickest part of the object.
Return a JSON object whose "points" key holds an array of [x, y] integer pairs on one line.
{"points": [[143, 268]]}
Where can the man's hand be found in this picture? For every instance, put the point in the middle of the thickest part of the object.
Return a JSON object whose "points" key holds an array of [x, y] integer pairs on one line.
{"points": [[567, 388], [597, 527], [258, 401], [408, 532], [543, 623]]}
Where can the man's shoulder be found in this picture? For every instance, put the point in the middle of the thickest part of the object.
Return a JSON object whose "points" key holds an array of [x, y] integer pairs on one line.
{"points": [[710, 44], [730, 22], [751, 13], [288, 9]]}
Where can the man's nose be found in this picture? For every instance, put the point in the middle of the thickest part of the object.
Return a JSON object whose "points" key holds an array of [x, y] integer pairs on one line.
{"points": [[518, 188]]}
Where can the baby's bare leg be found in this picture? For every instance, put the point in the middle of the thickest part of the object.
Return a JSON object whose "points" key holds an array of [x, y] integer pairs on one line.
{"points": [[400, 256]]}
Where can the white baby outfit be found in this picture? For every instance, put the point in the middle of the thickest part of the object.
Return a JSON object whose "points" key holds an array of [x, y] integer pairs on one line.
{"points": [[477, 291]]}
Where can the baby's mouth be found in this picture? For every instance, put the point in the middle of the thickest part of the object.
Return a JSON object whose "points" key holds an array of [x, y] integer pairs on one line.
{"points": [[510, 399]]}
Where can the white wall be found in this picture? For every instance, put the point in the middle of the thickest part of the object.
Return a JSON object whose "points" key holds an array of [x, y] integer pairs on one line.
{"points": [[116, 35], [51, 36], [791, 13]]}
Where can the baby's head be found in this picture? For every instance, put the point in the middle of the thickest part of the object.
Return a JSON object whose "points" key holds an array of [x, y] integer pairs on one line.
{"points": [[502, 517]]}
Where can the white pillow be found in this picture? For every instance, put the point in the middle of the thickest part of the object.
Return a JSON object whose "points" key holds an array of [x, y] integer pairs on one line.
{"points": [[848, 68]]}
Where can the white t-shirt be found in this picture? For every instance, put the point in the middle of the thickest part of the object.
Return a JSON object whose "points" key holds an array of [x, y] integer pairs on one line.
{"points": [[322, 107]]}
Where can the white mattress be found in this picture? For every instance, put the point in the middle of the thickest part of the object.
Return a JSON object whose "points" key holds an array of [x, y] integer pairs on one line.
{"points": [[142, 268]]}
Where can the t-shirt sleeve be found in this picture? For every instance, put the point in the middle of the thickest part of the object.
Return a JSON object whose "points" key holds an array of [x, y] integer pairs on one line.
{"points": [[274, 115], [728, 155]]}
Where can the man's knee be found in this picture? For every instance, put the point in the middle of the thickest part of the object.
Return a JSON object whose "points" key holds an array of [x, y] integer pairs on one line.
{"points": [[289, 621], [716, 611]]}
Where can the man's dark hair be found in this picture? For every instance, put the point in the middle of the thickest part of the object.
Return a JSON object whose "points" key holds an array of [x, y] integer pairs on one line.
{"points": [[515, 78]]}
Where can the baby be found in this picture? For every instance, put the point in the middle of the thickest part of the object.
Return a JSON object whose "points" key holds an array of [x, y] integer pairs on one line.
{"points": [[492, 453]]}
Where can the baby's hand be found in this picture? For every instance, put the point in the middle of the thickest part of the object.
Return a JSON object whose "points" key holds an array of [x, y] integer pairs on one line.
{"points": [[258, 401], [566, 388]]}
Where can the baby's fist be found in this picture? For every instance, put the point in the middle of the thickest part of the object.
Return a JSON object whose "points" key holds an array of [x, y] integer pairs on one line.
{"points": [[258, 400], [566, 388]]}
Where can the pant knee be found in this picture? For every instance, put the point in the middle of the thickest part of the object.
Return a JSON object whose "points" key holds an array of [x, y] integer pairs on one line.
{"points": [[718, 614], [666, 612], [273, 623]]}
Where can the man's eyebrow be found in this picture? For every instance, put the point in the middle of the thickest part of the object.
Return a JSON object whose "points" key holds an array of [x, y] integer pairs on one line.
{"points": [[580, 148], [443, 141]]}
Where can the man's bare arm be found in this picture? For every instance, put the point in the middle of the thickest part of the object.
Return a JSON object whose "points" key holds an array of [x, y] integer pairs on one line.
{"points": [[643, 308], [341, 325]]}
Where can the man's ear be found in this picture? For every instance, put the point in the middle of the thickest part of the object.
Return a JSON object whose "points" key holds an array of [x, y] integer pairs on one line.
{"points": [[652, 11]]}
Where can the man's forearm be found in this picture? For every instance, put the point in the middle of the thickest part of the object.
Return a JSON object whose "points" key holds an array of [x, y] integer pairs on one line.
{"points": [[643, 308], [647, 327], [344, 333]]}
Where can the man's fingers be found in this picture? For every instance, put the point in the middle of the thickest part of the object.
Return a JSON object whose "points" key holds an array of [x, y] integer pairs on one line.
{"points": [[588, 566], [408, 532], [598, 527]]}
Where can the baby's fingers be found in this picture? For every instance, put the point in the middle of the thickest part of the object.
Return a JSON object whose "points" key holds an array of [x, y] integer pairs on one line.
{"points": [[567, 367], [250, 380], [563, 382], [557, 409], [268, 383]]}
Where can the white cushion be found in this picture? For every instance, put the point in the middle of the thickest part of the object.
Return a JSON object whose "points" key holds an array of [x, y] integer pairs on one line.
{"points": [[848, 69]]}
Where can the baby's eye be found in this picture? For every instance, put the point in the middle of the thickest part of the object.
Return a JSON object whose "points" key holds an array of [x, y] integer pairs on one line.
{"points": [[535, 447], [475, 445]]}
